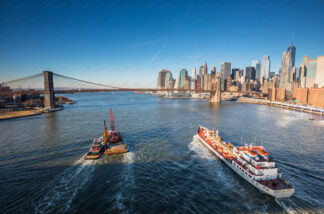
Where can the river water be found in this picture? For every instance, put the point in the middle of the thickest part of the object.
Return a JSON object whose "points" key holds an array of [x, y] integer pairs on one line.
{"points": [[166, 170]]}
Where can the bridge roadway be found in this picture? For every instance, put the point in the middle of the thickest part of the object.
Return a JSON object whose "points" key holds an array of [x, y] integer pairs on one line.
{"points": [[68, 91]]}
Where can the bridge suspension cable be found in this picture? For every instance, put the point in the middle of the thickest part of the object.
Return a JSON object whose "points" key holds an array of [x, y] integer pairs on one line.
{"points": [[97, 84], [24, 78]]}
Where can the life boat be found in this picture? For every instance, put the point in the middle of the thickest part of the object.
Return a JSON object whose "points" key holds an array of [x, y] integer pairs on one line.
{"points": [[262, 152], [252, 153]]}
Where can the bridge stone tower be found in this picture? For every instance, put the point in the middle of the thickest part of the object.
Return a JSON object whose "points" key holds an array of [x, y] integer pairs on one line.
{"points": [[49, 97], [215, 96]]}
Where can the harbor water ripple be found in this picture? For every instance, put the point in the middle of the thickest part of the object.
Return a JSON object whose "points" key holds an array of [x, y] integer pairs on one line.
{"points": [[167, 170]]}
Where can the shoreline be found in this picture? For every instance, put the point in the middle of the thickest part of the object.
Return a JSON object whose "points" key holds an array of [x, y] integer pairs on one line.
{"points": [[18, 114], [306, 109]]}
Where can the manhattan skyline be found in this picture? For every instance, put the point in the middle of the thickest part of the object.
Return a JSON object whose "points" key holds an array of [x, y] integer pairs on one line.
{"points": [[135, 40]]}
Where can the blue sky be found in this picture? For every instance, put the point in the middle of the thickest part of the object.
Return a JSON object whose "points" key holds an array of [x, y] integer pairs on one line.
{"points": [[128, 42]]}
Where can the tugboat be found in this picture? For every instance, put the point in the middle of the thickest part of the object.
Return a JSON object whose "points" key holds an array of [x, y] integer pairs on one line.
{"points": [[252, 163], [96, 150], [110, 143]]}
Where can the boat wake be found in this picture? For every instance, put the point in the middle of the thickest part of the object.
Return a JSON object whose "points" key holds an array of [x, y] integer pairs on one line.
{"points": [[126, 184], [200, 150], [63, 190]]}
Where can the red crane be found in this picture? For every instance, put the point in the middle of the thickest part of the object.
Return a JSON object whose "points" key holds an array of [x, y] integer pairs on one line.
{"points": [[112, 124]]}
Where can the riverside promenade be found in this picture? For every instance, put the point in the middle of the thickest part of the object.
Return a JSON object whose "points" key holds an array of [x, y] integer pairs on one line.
{"points": [[292, 106], [17, 114]]}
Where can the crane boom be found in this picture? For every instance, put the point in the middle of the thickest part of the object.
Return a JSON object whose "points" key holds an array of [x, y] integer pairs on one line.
{"points": [[112, 124]]}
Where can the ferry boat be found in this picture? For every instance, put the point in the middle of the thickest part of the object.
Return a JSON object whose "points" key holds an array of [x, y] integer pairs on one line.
{"points": [[252, 163]]}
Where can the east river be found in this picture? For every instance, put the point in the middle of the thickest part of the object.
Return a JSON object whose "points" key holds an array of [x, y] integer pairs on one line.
{"points": [[166, 170]]}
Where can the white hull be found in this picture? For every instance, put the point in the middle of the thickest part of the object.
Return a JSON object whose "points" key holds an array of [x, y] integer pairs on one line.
{"points": [[284, 193]]}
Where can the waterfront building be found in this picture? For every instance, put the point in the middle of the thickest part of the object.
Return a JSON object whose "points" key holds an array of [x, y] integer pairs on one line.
{"points": [[319, 78], [6, 95], [183, 75], [266, 67], [194, 75], [256, 64], [213, 70], [163, 79], [225, 69], [249, 73]]}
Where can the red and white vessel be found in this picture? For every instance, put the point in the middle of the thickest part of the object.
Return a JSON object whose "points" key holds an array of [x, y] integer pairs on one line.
{"points": [[250, 162]]}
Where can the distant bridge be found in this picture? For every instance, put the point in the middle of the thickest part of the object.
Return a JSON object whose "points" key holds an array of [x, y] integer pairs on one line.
{"points": [[49, 97]]}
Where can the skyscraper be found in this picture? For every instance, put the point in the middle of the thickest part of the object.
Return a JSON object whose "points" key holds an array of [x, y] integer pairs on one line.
{"points": [[200, 70], [265, 68], [163, 79], [194, 75], [285, 70], [204, 71], [225, 69], [256, 64], [249, 73], [292, 49], [213, 70], [319, 80], [183, 76]]}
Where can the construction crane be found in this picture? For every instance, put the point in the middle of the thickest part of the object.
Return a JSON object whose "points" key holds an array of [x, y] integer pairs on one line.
{"points": [[112, 124]]}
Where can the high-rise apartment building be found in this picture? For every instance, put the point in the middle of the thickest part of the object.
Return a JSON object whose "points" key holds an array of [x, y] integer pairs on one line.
{"points": [[256, 64], [225, 69], [265, 68]]}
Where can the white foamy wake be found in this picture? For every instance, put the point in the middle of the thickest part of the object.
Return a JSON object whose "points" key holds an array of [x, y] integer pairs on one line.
{"points": [[200, 150], [291, 208], [126, 184], [64, 188]]}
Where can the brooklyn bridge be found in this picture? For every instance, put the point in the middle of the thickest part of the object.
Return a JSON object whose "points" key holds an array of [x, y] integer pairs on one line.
{"points": [[49, 90]]}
